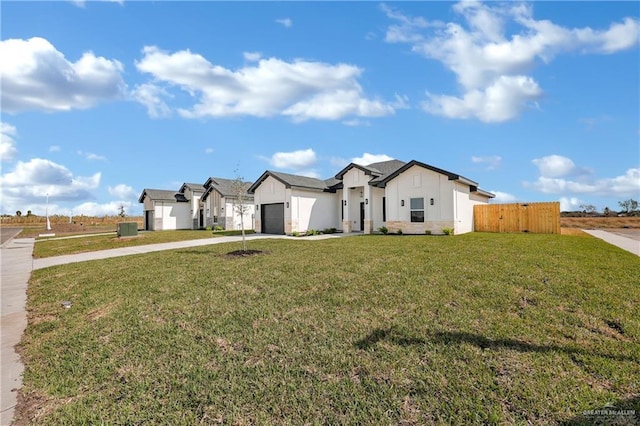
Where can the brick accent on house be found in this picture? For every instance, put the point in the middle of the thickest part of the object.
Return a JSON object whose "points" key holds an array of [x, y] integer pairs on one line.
{"points": [[418, 227], [346, 226], [368, 226]]}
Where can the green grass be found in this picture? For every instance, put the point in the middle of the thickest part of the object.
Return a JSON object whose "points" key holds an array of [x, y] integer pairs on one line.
{"points": [[47, 247], [479, 328]]}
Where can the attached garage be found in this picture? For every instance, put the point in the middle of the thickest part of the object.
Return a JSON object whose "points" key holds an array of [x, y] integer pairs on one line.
{"points": [[272, 218]]}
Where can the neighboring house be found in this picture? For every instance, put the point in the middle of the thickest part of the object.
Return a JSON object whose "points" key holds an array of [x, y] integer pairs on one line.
{"points": [[165, 210], [218, 203], [193, 192], [413, 197]]}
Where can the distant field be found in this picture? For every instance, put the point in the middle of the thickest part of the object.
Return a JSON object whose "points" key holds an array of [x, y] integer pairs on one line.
{"points": [[385, 330], [600, 222], [60, 225]]}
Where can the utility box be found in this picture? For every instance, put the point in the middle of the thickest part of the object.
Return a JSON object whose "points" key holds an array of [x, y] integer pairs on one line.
{"points": [[127, 229]]}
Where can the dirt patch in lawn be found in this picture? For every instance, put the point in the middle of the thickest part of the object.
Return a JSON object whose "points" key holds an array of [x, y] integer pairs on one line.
{"points": [[244, 253]]}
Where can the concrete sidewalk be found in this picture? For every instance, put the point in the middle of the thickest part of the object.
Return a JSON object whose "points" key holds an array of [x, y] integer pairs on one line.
{"points": [[625, 243], [126, 251], [16, 261]]}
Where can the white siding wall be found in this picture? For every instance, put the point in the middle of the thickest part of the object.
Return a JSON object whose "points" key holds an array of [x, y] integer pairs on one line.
{"points": [[418, 182], [313, 210], [356, 183], [376, 207], [271, 191], [465, 202], [170, 216], [233, 220]]}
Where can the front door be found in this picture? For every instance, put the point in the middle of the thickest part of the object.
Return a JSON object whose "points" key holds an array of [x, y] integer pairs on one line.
{"points": [[148, 221], [362, 216]]}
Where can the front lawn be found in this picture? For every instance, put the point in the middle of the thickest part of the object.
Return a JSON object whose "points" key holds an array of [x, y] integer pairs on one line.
{"points": [[61, 246], [478, 328]]}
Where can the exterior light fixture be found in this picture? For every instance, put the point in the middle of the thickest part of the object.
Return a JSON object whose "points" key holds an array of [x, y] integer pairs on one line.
{"points": [[287, 204], [431, 201], [344, 202], [402, 203], [366, 201], [257, 207]]}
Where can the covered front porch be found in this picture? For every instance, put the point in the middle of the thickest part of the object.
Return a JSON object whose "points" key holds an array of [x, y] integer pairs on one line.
{"points": [[363, 209]]}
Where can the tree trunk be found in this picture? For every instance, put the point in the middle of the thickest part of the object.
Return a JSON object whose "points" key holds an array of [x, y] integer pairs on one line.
{"points": [[244, 241]]}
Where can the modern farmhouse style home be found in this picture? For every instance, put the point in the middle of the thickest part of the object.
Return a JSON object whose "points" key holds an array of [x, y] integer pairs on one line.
{"points": [[411, 197], [196, 206], [218, 201]]}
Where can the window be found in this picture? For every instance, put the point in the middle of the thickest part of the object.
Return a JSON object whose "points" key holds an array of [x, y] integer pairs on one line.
{"points": [[417, 209], [384, 209]]}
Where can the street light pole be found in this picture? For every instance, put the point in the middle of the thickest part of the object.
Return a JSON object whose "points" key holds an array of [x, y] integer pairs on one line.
{"points": [[46, 213]]}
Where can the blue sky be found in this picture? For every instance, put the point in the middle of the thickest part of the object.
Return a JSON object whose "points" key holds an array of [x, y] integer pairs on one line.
{"points": [[535, 101]]}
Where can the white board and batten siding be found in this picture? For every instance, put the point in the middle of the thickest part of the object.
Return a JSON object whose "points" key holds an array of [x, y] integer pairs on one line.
{"points": [[418, 182]]}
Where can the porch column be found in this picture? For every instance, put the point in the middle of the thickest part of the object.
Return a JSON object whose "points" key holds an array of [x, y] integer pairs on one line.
{"points": [[345, 206], [368, 210]]}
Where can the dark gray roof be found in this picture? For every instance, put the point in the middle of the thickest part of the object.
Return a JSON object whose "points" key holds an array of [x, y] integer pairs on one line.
{"points": [[192, 186], [382, 181], [385, 168], [162, 195], [224, 187], [378, 170], [296, 181]]}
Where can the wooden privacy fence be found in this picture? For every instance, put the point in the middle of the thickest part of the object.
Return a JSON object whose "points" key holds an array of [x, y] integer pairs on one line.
{"points": [[539, 218]]}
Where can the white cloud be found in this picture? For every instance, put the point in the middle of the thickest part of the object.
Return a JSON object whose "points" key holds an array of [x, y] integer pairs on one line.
{"points": [[367, 159], [492, 161], [296, 160], [111, 208], [36, 76], [82, 3], [30, 182], [555, 166], [122, 191], [555, 171], [568, 204], [209, 150], [355, 123], [490, 63], [300, 89], [624, 185], [504, 100], [54, 148], [91, 156], [286, 22], [150, 95], [8, 148], [252, 56], [503, 197]]}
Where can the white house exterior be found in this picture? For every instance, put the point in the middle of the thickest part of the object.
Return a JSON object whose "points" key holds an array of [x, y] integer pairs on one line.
{"points": [[410, 197], [219, 205], [165, 210], [193, 192], [288, 203]]}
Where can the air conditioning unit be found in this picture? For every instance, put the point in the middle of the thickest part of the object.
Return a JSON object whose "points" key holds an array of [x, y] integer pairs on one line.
{"points": [[127, 229]]}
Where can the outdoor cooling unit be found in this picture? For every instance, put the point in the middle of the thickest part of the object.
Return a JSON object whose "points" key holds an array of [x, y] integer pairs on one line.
{"points": [[127, 229]]}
